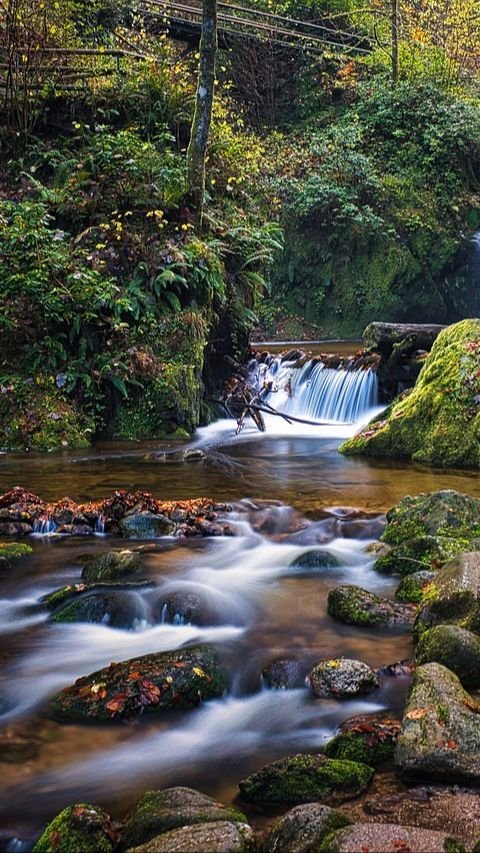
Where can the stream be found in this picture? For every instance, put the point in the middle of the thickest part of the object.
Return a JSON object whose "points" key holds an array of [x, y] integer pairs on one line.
{"points": [[291, 492]]}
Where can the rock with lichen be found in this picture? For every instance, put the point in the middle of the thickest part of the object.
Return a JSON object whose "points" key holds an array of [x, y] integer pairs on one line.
{"points": [[342, 678]]}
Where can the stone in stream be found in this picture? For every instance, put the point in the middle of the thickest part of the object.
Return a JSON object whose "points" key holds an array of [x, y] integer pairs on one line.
{"points": [[389, 838], [413, 587], [11, 552], [453, 596], [303, 828], [65, 593], [445, 513], [173, 680], [111, 565], [284, 674], [342, 678], [314, 561], [146, 525], [408, 557], [453, 647], [81, 828], [354, 605], [218, 837], [369, 738], [184, 608], [440, 736], [159, 812], [306, 778], [115, 608]]}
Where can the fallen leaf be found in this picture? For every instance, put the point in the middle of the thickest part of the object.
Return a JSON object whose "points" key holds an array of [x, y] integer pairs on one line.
{"points": [[416, 714]]}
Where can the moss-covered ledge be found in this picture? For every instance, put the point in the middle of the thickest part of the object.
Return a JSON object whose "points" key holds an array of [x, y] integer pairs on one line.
{"points": [[439, 421]]}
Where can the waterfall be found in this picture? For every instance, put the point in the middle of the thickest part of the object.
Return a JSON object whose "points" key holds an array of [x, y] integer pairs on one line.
{"points": [[100, 525], [316, 392], [44, 526]]}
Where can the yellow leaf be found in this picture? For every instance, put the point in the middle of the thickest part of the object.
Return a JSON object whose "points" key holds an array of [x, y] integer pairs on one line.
{"points": [[198, 671]]}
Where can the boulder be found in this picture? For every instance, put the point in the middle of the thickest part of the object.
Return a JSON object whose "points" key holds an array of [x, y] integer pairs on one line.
{"points": [[306, 778], [303, 828], [408, 557], [284, 674], [219, 837], [111, 565], [146, 525], [413, 587], [80, 828], [455, 648], [369, 738], [159, 812], [446, 514], [164, 681], [439, 421], [342, 678], [117, 609], [184, 608], [314, 561], [11, 552], [389, 838], [66, 593], [440, 736], [356, 606], [453, 596]]}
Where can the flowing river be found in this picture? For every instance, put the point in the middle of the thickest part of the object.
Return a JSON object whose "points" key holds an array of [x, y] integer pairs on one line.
{"points": [[292, 493]]}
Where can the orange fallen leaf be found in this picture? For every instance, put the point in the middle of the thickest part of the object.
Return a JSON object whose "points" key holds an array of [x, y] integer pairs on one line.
{"points": [[416, 714]]}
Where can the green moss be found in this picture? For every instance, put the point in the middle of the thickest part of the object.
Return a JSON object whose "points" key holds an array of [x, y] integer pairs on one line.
{"points": [[14, 550], [77, 829], [360, 746], [356, 606], [439, 422], [414, 587], [451, 517]]}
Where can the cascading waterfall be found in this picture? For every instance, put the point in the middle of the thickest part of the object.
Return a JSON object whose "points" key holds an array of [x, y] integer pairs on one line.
{"points": [[317, 392], [44, 526]]}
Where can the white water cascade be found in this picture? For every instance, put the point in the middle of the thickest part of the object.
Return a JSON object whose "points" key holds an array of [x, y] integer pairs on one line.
{"points": [[317, 392]]}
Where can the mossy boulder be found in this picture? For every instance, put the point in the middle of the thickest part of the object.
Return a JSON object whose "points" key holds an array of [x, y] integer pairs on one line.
{"points": [[342, 678], [66, 593], [429, 551], [302, 828], [173, 680], [414, 587], [455, 648], [313, 561], [218, 837], [369, 739], [158, 812], [453, 596], [439, 422], [446, 514], [78, 829], [354, 605], [111, 565], [440, 736], [306, 778], [389, 838], [146, 525], [10, 552], [114, 608]]}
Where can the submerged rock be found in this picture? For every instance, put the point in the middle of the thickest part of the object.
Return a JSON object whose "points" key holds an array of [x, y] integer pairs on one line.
{"points": [[218, 837], [455, 648], [111, 565], [146, 525], [173, 680], [389, 838], [440, 736], [414, 587], [342, 678], [159, 812], [81, 828], [356, 606], [306, 778], [303, 828], [439, 421], [117, 609], [453, 596], [369, 738], [284, 674]]}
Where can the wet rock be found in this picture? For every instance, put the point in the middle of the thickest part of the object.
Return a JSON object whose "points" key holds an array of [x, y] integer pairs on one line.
{"points": [[303, 828], [440, 736], [15, 528], [194, 454], [219, 837], [356, 606], [398, 669], [306, 778], [389, 838], [314, 561], [342, 678], [60, 596], [82, 530], [80, 828], [407, 558], [10, 552], [173, 680], [453, 596], [159, 812], [413, 587], [368, 738], [117, 609], [184, 608], [453, 647], [445, 513], [111, 565], [284, 674], [146, 525]]}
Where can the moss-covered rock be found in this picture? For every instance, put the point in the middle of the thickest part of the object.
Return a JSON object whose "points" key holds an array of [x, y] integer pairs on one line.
{"points": [[66, 593], [414, 587], [368, 739], [115, 608], [146, 525], [455, 648], [305, 779], [314, 561], [446, 514], [218, 837], [10, 552], [302, 828], [440, 736], [453, 596], [342, 678], [111, 565], [78, 829], [173, 680], [158, 812], [439, 422], [389, 838], [429, 551], [356, 606]]}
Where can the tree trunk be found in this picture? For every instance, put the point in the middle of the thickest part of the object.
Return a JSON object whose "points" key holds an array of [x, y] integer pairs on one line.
{"points": [[200, 131], [395, 26], [383, 337]]}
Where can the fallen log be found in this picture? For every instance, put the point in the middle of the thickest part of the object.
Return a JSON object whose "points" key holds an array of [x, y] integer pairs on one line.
{"points": [[383, 337]]}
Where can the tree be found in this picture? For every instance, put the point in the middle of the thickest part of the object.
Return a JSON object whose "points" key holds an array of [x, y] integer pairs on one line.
{"points": [[197, 149]]}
